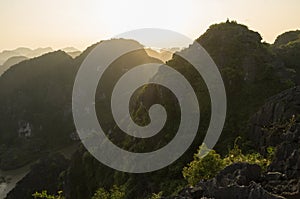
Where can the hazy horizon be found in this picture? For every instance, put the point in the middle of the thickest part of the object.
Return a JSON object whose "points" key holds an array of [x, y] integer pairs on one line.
{"points": [[79, 24]]}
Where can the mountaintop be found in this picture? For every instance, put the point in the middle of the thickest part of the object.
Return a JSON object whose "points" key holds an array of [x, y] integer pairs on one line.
{"points": [[262, 85]]}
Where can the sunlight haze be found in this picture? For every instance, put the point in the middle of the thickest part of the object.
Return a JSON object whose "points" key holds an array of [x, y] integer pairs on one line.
{"points": [[58, 24]]}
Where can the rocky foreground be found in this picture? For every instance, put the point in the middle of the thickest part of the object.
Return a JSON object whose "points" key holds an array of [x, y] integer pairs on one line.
{"points": [[248, 181]]}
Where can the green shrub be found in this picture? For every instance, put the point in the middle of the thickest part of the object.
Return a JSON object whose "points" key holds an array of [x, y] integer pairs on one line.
{"points": [[236, 155], [114, 193], [101, 193], [45, 195], [208, 166], [156, 195], [203, 167]]}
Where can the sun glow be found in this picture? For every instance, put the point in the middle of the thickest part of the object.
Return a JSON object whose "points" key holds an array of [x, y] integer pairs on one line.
{"points": [[56, 23]]}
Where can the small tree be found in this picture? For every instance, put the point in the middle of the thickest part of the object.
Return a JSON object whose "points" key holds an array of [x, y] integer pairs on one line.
{"points": [[114, 193], [206, 167], [156, 195], [101, 193], [203, 167], [45, 195]]}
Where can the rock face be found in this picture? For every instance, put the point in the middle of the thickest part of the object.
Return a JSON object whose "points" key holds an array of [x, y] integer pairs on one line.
{"points": [[284, 172], [278, 109], [237, 181], [275, 124], [44, 175]]}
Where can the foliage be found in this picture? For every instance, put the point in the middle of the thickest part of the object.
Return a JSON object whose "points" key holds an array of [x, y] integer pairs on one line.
{"points": [[114, 193], [45, 195], [156, 195], [203, 167], [236, 155], [101, 193], [250, 73], [208, 166]]}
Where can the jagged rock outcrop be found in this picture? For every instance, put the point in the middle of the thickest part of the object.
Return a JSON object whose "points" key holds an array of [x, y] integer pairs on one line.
{"points": [[266, 125], [283, 175], [276, 124], [237, 181]]}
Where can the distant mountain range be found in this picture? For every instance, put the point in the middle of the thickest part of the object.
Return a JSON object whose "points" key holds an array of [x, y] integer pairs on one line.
{"points": [[162, 54], [12, 57], [73, 52], [26, 52]]}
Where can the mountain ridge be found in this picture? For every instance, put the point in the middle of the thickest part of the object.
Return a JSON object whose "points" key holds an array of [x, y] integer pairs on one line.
{"points": [[252, 71]]}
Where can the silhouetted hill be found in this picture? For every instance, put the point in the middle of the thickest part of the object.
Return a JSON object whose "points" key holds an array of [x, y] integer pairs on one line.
{"points": [[287, 49], [11, 61], [35, 107], [228, 41], [35, 103], [251, 72], [287, 37]]}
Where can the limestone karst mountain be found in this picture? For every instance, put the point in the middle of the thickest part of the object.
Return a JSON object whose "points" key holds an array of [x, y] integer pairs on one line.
{"points": [[11, 61], [36, 116]]}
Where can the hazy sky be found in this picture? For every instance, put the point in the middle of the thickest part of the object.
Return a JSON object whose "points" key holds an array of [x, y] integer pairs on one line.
{"points": [[80, 23]]}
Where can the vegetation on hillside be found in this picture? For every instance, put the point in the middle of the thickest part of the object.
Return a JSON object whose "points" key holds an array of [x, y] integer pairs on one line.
{"points": [[38, 91], [209, 166]]}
